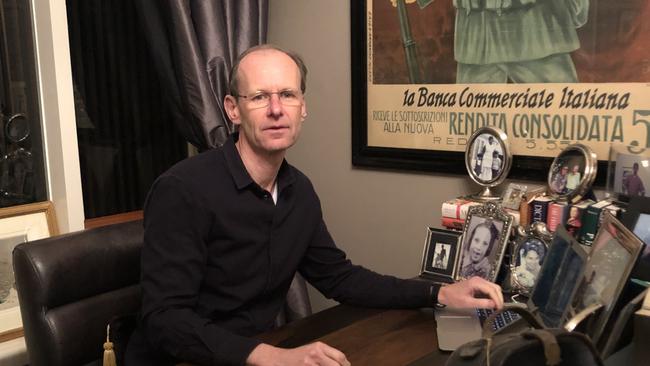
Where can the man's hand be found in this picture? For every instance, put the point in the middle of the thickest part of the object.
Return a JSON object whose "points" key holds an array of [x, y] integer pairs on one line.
{"points": [[317, 353], [472, 293]]}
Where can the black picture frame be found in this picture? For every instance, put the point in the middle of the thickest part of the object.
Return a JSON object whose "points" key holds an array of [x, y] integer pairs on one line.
{"points": [[440, 254], [639, 208], [363, 155]]}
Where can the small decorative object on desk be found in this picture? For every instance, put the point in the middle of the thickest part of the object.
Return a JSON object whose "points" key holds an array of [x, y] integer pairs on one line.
{"points": [[572, 173], [440, 255], [485, 237], [488, 160], [513, 195], [527, 257], [628, 172]]}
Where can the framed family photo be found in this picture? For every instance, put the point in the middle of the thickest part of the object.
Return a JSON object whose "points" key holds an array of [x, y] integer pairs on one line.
{"points": [[426, 74], [485, 238], [628, 172], [513, 195], [572, 173], [637, 219], [19, 224], [440, 254], [611, 259], [528, 257]]}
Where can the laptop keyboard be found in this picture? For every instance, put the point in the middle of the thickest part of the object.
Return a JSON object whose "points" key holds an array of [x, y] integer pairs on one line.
{"points": [[500, 321]]}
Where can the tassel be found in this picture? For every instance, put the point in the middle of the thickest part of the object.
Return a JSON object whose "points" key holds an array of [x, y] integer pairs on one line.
{"points": [[109, 354]]}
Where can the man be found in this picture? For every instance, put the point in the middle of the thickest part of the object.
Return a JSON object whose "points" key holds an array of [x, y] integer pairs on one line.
{"points": [[488, 156], [225, 232], [632, 184], [573, 178], [558, 183]]}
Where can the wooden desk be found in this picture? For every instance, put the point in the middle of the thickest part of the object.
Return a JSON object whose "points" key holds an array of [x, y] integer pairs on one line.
{"points": [[368, 336]]}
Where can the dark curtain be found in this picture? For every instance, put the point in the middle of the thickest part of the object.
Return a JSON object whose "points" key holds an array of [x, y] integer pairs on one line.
{"points": [[125, 131], [194, 43]]}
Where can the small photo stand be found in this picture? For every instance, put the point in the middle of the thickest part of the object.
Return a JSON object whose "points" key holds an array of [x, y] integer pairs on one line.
{"points": [[527, 258], [512, 196], [485, 237], [572, 173], [440, 254], [488, 160], [611, 259], [637, 219], [628, 172]]}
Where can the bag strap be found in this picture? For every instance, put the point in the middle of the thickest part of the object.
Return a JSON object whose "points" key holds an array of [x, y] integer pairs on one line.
{"points": [[552, 350], [488, 329]]}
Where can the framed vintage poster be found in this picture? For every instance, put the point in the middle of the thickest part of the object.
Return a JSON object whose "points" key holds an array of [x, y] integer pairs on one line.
{"points": [[19, 224], [550, 73]]}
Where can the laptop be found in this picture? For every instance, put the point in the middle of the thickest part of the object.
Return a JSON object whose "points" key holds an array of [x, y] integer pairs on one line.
{"points": [[549, 302]]}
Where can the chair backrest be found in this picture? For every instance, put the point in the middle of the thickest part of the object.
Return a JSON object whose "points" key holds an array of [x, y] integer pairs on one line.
{"points": [[71, 286]]}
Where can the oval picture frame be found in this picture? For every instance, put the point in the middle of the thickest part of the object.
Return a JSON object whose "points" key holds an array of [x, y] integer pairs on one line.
{"points": [[572, 173], [527, 257], [491, 169]]}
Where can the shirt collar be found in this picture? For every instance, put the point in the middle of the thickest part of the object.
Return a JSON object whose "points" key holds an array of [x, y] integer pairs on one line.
{"points": [[239, 173]]}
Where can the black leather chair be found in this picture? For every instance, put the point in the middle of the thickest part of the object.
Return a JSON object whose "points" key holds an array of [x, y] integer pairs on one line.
{"points": [[71, 286]]}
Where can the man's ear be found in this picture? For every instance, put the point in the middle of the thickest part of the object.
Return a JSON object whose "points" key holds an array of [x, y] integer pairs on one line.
{"points": [[232, 109], [303, 112]]}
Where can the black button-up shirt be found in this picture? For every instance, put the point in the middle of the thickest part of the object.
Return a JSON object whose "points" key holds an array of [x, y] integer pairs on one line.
{"points": [[219, 257]]}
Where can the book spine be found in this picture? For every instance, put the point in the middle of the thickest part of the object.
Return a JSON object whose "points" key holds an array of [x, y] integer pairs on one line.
{"points": [[524, 213], [451, 223], [555, 215], [452, 208], [539, 211], [590, 224]]}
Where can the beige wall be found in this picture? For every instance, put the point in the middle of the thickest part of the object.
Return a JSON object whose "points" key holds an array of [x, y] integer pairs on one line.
{"points": [[378, 217]]}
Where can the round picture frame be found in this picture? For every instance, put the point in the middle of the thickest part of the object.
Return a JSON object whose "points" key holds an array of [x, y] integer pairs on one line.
{"points": [[572, 173], [488, 159], [527, 257]]}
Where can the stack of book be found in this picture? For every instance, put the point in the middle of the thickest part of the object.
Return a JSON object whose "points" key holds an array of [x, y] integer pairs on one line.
{"points": [[454, 212], [581, 219]]}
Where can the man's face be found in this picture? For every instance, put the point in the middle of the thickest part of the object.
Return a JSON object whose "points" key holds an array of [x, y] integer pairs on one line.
{"points": [[276, 127], [479, 244], [564, 170]]}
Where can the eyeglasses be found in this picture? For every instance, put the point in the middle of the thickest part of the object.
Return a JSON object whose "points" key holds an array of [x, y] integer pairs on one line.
{"points": [[262, 99]]}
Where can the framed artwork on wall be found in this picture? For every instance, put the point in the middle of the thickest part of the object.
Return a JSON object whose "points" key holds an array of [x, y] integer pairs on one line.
{"points": [[423, 82], [19, 224]]}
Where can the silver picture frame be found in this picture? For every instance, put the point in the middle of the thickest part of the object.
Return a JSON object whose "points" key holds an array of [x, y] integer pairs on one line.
{"points": [[488, 160], [527, 257], [572, 173], [484, 241], [611, 259]]}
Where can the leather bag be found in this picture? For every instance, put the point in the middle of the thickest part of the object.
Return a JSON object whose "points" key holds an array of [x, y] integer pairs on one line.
{"points": [[535, 346]]}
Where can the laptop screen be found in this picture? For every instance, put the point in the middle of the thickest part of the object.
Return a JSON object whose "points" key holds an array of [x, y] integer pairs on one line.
{"points": [[558, 278]]}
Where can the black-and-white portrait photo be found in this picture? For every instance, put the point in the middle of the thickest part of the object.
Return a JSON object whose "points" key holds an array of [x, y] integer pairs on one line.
{"points": [[478, 255], [441, 256], [440, 253], [528, 259], [487, 157]]}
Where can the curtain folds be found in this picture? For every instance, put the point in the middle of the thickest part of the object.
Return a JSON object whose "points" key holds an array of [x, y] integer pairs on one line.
{"points": [[194, 43]]}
